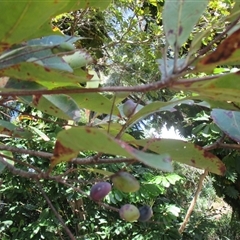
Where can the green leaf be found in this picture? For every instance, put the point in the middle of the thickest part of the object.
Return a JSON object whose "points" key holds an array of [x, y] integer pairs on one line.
{"points": [[225, 88], [10, 129], [40, 55], [61, 106], [70, 142], [7, 154], [228, 122], [47, 77], [231, 192], [52, 40], [226, 53], [184, 152], [173, 210], [40, 133], [161, 180], [41, 50], [173, 178], [11, 84], [24, 25], [78, 59], [157, 106], [114, 129], [179, 18], [209, 103], [95, 102], [232, 58]]}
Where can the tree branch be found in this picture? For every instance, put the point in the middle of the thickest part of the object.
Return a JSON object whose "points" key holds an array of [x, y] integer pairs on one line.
{"points": [[18, 172], [21, 163], [67, 230], [80, 161], [140, 88], [193, 203]]}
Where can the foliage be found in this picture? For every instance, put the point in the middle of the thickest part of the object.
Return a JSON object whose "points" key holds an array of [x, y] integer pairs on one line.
{"points": [[65, 87]]}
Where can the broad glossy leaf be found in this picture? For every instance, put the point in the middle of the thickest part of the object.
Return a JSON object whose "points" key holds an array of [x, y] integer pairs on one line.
{"points": [[217, 104], [179, 18], [225, 88], [70, 142], [228, 52], [52, 40], [40, 55], [95, 80], [228, 122], [184, 152], [41, 51], [114, 129], [61, 106], [50, 78], [40, 133], [12, 130], [95, 102], [27, 23], [11, 84], [157, 107], [119, 97], [78, 59]]}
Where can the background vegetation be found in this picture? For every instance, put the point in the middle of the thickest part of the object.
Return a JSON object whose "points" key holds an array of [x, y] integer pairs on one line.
{"points": [[65, 77]]}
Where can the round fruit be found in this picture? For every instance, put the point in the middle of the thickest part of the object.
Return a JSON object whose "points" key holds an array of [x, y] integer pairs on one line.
{"points": [[129, 108], [125, 182], [129, 213], [145, 213], [100, 190]]}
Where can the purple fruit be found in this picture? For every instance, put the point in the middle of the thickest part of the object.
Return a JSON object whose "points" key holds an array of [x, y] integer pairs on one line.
{"points": [[145, 213], [100, 190], [125, 182], [129, 108], [129, 213]]}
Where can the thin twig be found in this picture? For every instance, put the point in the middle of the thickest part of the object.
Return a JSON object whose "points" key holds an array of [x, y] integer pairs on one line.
{"points": [[21, 163], [67, 230], [18, 172], [193, 203], [76, 189]]}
